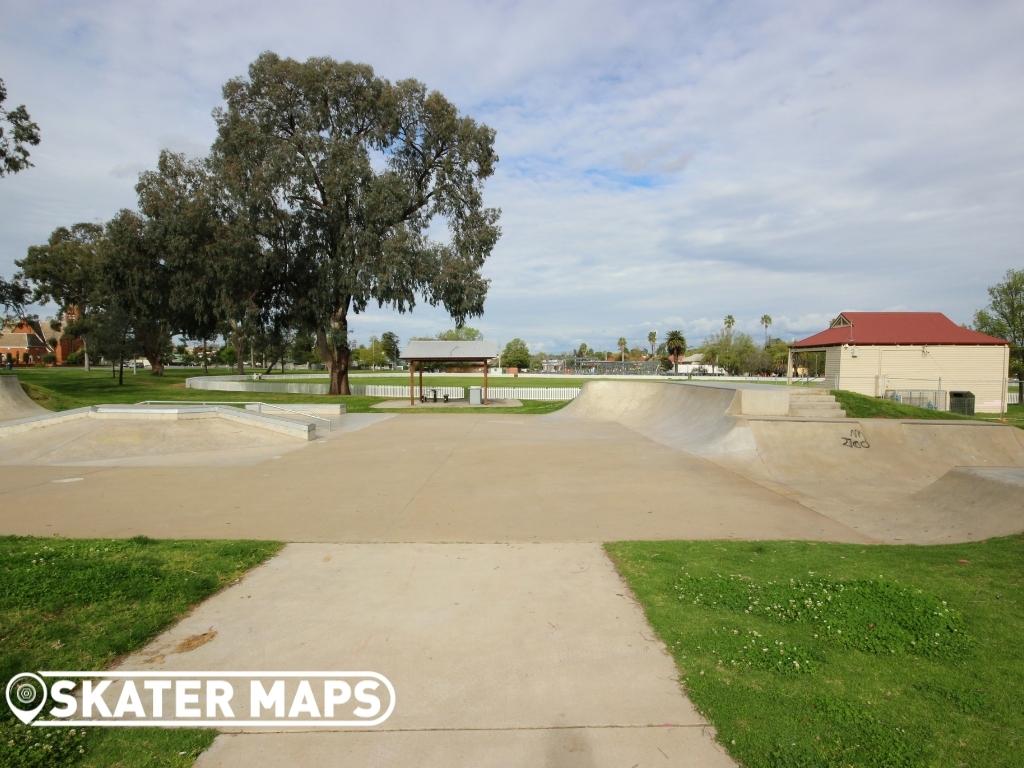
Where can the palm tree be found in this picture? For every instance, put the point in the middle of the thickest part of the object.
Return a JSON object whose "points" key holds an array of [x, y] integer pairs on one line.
{"points": [[652, 339], [675, 344], [622, 347], [729, 322], [766, 320]]}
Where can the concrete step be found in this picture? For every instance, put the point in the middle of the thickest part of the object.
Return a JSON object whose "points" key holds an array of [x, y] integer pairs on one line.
{"points": [[823, 413], [814, 405]]}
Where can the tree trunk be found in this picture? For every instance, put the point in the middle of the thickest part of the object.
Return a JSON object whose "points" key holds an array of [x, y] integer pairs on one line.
{"points": [[120, 371], [155, 363], [85, 352], [206, 359], [238, 343], [338, 362], [337, 356], [339, 375]]}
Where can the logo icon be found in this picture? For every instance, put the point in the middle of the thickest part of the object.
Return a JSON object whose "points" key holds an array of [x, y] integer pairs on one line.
{"points": [[26, 696]]}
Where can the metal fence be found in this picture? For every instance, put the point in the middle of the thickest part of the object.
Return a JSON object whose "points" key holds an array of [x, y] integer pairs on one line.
{"points": [[932, 399]]}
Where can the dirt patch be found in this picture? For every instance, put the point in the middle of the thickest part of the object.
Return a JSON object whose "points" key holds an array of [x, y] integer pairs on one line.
{"points": [[192, 642]]}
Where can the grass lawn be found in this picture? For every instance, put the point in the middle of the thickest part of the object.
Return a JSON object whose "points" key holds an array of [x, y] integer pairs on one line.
{"points": [[62, 388], [805, 654], [864, 407], [1014, 416], [81, 604]]}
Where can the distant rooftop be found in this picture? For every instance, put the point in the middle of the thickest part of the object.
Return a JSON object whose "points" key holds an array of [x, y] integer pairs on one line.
{"points": [[440, 351], [876, 328]]}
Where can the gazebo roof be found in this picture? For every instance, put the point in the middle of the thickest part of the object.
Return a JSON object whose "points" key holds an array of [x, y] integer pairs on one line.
{"points": [[455, 351]]}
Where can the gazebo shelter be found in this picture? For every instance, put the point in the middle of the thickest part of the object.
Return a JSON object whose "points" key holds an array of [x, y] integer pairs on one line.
{"points": [[421, 353]]}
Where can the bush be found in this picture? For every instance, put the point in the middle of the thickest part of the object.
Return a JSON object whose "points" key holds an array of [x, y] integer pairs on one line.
{"points": [[49, 358], [75, 358]]}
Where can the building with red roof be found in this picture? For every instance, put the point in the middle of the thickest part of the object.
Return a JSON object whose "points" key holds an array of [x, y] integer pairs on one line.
{"points": [[919, 357]]}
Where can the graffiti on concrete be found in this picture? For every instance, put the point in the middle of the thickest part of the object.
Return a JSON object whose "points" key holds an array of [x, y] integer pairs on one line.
{"points": [[856, 440]]}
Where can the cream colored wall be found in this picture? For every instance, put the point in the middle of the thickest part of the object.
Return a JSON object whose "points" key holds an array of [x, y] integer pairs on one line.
{"points": [[832, 358], [978, 369]]}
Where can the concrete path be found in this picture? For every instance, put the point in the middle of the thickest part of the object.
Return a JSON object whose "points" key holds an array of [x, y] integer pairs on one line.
{"points": [[501, 654]]}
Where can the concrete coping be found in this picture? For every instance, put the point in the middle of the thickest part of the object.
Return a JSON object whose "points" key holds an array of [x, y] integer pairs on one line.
{"points": [[854, 419], [289, 427], [315, 409]]}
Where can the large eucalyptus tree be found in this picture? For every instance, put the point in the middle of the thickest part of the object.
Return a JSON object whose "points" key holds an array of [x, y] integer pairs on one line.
{"points": [[350, 178]]}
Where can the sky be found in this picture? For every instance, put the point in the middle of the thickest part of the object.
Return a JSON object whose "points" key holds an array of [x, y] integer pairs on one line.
{"points": [[662, 164]]}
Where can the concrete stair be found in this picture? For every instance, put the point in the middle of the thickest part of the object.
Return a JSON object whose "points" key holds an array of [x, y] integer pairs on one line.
{"points": [[814, 404]]}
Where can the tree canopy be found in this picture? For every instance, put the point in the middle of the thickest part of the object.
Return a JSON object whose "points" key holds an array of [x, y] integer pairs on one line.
{"points": [[675, 345], [66, 271], [352, 170], [516, 354], [465, 333], [17, 134], [389, 343], [1004, 317]]}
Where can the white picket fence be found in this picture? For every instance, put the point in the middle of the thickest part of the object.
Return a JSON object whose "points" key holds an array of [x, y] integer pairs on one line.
{"points": [[1013, 398], [532, 393], [394, 391], [459, 393]]}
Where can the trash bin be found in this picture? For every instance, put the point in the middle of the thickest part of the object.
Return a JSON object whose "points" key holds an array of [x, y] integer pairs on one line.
{"points": [[476, 395], [961, 402]]}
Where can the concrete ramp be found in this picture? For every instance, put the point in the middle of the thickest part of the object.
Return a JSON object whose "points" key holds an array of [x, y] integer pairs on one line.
{"points": [[14, 403], [894, 479], [980, 501], [890, 480], [700, 420]]}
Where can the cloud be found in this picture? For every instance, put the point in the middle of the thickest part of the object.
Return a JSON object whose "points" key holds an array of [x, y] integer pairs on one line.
{"points": [[662, 164]]}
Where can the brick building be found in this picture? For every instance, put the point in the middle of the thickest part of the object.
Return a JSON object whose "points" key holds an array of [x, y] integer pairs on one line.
{"points": [[29, 340]]}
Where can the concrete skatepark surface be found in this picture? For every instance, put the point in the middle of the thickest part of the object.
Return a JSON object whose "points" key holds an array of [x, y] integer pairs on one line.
{"points": [[891, 480], [86, 443], [641, 460], [529, 651]]}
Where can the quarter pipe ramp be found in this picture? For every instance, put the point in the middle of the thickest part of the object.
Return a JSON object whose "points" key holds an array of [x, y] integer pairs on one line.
{"points": [[14, 403], [894, 480]]}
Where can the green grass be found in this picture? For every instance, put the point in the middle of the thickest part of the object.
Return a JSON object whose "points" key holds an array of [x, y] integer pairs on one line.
{"points": [[81, 604], [807, 654], [864, 407], [1013, 416], [60, 389]]}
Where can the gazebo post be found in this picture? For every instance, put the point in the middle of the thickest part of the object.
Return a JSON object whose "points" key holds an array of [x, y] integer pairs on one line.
{"points": [[486, 366], [789, 366], [412, 382], [421, 382]]}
